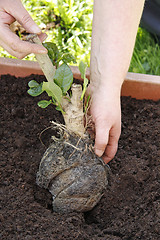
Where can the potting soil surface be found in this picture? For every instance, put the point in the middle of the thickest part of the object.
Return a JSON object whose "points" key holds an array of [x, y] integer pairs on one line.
{"points": [[130, 207]]}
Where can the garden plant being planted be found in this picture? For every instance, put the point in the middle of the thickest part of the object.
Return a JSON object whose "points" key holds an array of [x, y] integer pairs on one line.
{"points": [[69, 168]]}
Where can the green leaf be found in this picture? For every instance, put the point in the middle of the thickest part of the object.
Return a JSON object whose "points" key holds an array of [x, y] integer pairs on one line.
{"points": [[44, 103], [64, 77], [33, 84], [68, 58], [87, 103], [53, 51], [82, 69], [85, 83], [53, 91], [35, 91]]}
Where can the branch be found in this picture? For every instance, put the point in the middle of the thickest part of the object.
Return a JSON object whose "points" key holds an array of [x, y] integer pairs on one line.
{"points": [[43, 59]]}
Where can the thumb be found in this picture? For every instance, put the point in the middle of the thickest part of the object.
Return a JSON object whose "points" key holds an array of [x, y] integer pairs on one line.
{"points": [[23, 17], [101, 139]]}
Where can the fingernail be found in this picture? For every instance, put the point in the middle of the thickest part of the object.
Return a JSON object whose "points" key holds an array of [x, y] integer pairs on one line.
{"points": [[35, 29], [98, 152]]}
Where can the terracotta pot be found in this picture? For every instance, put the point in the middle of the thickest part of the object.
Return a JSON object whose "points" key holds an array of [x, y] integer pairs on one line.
{"points": [[140, 86]]}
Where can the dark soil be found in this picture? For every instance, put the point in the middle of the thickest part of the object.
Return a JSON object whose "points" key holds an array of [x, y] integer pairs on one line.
{"points": [[129, 209]]}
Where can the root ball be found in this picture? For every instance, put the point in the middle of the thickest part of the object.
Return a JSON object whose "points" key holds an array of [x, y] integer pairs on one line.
{"points": [[73, 174]]}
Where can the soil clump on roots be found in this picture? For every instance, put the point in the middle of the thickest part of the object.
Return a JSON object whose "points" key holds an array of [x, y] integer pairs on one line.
{"points": [[73, 174], [129, 208]]}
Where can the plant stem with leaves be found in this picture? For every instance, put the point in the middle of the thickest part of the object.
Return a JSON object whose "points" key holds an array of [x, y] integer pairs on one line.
{"points": [[59, 82]]}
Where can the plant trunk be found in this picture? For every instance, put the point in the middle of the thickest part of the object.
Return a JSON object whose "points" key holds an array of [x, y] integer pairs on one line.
{"points": [[74, 115]]}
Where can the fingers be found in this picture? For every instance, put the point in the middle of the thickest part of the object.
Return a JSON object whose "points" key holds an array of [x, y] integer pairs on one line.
{"points": [[11, 11], [111, 149], [101, 139], [42, 36], [18, 48], [22, 16], [106, 141]]}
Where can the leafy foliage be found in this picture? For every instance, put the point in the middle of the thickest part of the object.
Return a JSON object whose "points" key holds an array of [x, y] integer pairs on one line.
{"points": [[44, 103], [68, 25], [74, 32], [64, 77], [56, 56], [35, 88], [53, 91], [62, 81], [146, 54], [53, 52]]}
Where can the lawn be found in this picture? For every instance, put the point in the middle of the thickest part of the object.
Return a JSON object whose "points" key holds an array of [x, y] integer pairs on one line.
{"points": [[68, 24]]}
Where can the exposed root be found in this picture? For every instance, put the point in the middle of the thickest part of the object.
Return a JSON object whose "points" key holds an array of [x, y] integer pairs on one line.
{"points": [[59, 126], [65, 131], [76, 148], [88, 122], [42, 133], [91, 148]]}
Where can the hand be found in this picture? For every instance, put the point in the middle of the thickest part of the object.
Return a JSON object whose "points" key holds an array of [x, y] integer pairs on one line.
{"points": [[106, 115], [10, 11]]}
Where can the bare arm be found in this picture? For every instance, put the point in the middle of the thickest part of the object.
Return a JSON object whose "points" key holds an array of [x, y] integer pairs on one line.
{"points": [[115, 25]]}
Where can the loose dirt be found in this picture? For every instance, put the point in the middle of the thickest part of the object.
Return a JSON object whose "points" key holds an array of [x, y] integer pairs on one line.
{"points": [[129, 209]]}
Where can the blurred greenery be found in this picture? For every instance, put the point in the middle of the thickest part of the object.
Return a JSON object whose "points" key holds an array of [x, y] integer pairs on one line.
{"points": [[68, 25], [66, 22], [146, 55]]}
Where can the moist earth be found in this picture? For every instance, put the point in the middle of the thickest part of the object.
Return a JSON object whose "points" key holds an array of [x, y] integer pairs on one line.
{"points": [[129, 209]]}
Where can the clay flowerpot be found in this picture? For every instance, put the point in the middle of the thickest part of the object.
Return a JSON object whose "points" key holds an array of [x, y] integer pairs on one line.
{"points": [[129, 208]]}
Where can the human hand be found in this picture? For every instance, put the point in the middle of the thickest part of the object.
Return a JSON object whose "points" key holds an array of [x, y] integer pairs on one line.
{"points": [[10, 11], [105, 110]]}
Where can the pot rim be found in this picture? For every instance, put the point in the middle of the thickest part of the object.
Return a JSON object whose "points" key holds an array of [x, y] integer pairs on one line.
{"points": [[136, 85]]}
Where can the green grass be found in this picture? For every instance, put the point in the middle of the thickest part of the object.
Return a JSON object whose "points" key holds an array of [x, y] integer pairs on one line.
{"points": [[146, 55], [68, 24], [72, 29]]}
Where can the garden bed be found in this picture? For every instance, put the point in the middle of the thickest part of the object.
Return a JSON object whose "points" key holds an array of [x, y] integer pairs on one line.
{"points": [[129, 208]]}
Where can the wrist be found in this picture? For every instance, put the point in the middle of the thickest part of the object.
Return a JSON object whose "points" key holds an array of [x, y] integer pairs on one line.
{"points": [[107, 75], [110, 89], [106, 84]]}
